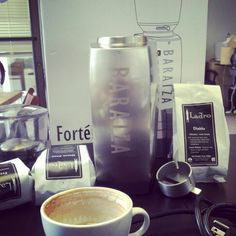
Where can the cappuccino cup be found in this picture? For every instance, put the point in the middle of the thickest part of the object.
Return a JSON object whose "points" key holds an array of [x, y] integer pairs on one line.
{"points": [[91, 211]]}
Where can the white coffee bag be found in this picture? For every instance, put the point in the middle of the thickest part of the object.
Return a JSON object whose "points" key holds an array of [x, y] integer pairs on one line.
{"points": [[200, 132], [16, 184], [60, 168]]}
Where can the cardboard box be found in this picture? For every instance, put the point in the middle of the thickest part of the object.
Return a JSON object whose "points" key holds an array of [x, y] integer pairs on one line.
{"points": [[68, 29], [225, 55], [232, 41]]}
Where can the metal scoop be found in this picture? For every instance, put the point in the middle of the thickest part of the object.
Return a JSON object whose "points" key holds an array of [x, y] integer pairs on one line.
{"points": [[176, 180]]}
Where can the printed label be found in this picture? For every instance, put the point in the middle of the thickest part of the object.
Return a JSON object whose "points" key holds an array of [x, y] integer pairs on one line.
{"points": [[63, 162], [169, 52], [119, 112], [199, 134], [10, 187]]}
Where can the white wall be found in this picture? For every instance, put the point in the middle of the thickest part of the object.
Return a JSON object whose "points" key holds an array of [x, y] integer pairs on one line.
{"points": [[221, 20]]}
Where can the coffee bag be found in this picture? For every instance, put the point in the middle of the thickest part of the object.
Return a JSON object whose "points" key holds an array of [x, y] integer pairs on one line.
{"points": [[16, 184], [200, 132], [60, 168]]}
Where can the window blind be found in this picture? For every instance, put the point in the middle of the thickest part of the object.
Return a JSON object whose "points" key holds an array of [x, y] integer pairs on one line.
{"points": [[14, 19], [15, 23]]}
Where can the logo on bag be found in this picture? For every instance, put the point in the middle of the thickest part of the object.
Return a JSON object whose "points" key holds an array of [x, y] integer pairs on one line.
{"points": [[196, 115], [63, 162], [10, 187], [199, 134], [119, 112]]}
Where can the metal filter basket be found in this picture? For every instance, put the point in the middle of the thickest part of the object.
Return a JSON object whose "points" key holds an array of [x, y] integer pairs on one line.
{"points": [[23, 131]]}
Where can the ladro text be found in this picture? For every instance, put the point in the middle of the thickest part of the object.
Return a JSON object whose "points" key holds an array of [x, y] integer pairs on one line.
{"points": [[199, 115], [6, 185], [65, 165]]}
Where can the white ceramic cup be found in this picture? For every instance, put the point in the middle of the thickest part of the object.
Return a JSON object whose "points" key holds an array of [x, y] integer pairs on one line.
{"points": [[91, 211]]}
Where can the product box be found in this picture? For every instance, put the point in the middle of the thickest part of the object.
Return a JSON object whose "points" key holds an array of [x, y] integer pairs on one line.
{"points": [[176, 29], [225, 55], [227, 51], [232, 41]]}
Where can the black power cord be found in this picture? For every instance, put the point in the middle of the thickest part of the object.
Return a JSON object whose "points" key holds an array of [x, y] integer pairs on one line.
{"points": [[205, 217], [199, 212]]}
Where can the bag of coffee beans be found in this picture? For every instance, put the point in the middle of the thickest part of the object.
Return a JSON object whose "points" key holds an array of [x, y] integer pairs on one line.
{"points": [[200, 132], [60, 168], [16, 184]]}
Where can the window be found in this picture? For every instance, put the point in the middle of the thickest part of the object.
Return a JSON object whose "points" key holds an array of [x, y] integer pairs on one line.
{"points": [[20, 48]]}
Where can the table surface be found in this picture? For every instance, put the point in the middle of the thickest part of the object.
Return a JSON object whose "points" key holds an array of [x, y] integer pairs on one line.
{"points": [[25, 220], [9, 97]]}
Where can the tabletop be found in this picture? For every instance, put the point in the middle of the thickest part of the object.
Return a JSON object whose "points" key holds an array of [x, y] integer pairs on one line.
{"points": [[25, 220], [9, 97]]}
